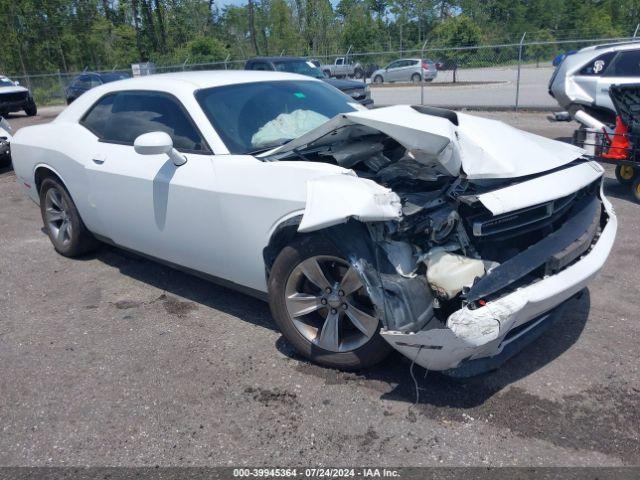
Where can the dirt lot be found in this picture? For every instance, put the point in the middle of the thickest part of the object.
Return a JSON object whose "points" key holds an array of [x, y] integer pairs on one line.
{"points": [[115, 360]]}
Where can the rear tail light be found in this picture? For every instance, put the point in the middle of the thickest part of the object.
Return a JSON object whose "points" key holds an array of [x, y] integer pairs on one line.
{"points": [[426, 66]]}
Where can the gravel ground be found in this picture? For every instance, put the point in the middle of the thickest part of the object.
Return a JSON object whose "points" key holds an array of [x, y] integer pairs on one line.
{"points": [[115, 360]]}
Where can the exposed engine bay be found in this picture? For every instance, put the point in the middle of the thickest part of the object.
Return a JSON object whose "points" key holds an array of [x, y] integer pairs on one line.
{"points": [[445, 243]]}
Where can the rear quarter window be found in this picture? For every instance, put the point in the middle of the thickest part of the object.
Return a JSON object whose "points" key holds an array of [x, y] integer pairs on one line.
{"points": [[598, 65]]}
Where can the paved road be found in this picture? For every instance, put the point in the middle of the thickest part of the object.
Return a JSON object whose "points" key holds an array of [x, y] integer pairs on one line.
{"points": [[115, 360], [501, 93]]}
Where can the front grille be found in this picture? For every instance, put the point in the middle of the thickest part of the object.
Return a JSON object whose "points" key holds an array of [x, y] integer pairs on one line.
{"points": [[521, 220], [500, 237], [13, 97]]}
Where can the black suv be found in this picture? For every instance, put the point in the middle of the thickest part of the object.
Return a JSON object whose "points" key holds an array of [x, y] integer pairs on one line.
{"points": [[89, 80], [356, 90]]}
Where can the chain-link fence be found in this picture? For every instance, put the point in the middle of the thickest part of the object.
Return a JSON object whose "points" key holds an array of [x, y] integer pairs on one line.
{"points": [[501, 75]]}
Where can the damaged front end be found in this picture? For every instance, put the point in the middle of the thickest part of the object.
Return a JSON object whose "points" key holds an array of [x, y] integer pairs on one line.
{"points": [[464, 252]]}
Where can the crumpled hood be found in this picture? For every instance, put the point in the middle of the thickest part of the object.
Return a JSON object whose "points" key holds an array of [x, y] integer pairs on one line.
{"points": [[477, 147]]}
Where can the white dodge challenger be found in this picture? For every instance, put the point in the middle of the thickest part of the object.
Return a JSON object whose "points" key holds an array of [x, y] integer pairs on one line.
{"points": [[451, 238]]}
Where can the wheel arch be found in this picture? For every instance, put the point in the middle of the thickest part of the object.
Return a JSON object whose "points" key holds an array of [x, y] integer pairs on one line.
{"points": [[282, 235], [43, 171]]}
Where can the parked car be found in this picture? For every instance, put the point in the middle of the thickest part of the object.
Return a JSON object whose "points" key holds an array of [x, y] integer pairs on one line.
{"points": [[359, 91], [582, 80], [5, 141], [411, 228], [406, 70], [89, 80], [14, 98], [343, 67]]}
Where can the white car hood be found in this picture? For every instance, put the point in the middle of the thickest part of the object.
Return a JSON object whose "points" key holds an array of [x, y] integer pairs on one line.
{"points": [[478, 148], [14, 89]]}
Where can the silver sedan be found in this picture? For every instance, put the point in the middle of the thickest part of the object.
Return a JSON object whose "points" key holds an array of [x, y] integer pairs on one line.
{"points": [[406, 70]]}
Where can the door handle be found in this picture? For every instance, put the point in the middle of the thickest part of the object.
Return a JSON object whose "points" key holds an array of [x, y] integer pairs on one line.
{"points": [[99, 159]]}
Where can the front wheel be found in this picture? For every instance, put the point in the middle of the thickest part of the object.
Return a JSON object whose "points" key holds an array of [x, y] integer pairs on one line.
{"points": [[31, 109], [625, 174], [62, 222], [322, 308], [378, 79]]}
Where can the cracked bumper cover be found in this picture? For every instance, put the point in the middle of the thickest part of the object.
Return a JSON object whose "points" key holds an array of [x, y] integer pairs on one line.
{"points": [[480, 333]]}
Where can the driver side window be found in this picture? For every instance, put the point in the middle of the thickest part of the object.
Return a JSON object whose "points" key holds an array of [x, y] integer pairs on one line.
{"points": [[123, 116]]}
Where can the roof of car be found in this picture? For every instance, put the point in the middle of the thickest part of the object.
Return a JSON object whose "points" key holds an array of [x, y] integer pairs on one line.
{"points": [[178, 83], [620, 45], [205, 79]]}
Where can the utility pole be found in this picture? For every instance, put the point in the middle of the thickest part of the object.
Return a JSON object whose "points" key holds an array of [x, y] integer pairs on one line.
{"points": [[519, 62], [424, 45]]}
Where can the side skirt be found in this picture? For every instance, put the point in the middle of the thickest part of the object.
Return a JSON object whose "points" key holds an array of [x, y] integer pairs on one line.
{"points": [[264, 296]]}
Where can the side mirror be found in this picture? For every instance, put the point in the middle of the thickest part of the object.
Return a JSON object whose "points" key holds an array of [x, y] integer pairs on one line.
{"points": [[157, 143], [16, 83]]}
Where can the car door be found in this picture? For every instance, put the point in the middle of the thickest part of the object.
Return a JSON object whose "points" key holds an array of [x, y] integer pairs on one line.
{"points": [[623, 69], [391, 74], [145, 202]]}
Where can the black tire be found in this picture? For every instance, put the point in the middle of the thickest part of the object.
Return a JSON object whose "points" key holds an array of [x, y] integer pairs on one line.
{"points": [[416, 78], [626, 174], [635, 189], [358, 73], [370, 353], [31, 109], [79, 240], [378, 79]]}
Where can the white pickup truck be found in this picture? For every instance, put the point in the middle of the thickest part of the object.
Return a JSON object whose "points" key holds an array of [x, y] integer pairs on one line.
{"points": [[343, 67]]}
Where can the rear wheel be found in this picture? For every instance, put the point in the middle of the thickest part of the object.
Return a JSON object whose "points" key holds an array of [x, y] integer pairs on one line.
{"points": [[358, 73], [415, 78], [625, 174], [62, 221], [322, 308]]}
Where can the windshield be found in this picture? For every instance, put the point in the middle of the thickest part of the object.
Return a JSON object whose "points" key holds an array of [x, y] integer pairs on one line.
{"points": [[253, 116], [112, 77], [6, 82], [299, 66]]}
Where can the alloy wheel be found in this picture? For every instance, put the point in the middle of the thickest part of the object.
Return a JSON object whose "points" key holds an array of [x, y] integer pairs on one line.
{"points": [[328, 304], [57, 217]]}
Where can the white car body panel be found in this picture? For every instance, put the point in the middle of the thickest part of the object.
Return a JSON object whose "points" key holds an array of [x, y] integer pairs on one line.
{"points": [[216, 213], [541, 189], [14, 89], [335, 199]]}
